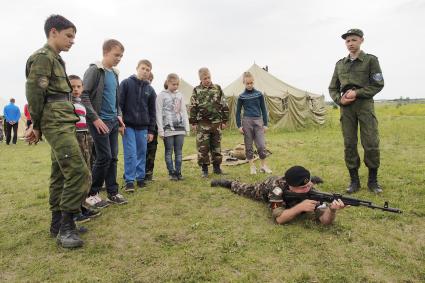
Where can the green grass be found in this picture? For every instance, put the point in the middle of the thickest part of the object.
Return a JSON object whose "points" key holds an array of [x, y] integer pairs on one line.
{"points": [[189, 232]]}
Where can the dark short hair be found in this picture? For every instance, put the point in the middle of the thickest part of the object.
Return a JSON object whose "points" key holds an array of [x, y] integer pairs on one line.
{"points": [[111, 43], [74, 77], [59, 23], [12, 100]]}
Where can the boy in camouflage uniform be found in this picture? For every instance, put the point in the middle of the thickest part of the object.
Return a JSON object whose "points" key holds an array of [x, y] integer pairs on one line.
{"points": [[356, 80], [48, 94], [209, 114], [296, 179]]}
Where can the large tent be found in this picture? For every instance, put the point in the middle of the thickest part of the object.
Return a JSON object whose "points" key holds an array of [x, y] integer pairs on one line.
{"points": [[186, 89], [288, 107]]}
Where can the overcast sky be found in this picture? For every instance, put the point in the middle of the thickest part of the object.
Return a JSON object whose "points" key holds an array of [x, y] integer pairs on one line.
{"points": [[299, 40]]}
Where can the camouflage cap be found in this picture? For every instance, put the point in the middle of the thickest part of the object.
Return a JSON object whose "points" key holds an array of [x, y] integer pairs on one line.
{"points": [[353, 31]]}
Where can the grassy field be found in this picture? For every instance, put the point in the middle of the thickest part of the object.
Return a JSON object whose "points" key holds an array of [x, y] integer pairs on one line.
{"points": [[190, 232]]}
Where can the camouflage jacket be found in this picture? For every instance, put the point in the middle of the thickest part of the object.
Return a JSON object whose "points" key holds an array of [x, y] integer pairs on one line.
{"points": [[363, 74], [208, 104], [46, 75]]}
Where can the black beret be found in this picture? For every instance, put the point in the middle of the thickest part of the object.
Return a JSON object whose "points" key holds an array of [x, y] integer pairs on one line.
{"points": [[297, 176]]}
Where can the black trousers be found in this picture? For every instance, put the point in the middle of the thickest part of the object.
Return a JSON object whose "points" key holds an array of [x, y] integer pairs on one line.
{"points": [[9, 128]]}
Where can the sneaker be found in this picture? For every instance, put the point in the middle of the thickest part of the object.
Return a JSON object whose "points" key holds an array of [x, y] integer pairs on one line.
{"points": [[179, 176], [173, 177], [117, 199], [100, 202], [91, 213], [265, 169], [141, 183], [253, 170], [96, 202], [81, 218], [129, 188]]}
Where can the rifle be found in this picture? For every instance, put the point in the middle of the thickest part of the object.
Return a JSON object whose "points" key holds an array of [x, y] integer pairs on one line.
{"points": [[329, 198]]}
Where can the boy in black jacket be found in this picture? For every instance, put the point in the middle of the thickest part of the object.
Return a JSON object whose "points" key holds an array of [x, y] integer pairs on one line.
{"points": [[137, 103]]}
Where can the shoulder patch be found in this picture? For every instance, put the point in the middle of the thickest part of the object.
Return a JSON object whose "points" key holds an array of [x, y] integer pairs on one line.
{"points": [[377, 77]]}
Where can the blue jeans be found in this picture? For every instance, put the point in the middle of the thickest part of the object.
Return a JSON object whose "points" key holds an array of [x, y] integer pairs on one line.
{"points": [[135, 144], [176, 143], [105, 166]]}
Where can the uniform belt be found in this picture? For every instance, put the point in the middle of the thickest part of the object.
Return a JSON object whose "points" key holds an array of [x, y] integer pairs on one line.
{"points": [[57, 97]]}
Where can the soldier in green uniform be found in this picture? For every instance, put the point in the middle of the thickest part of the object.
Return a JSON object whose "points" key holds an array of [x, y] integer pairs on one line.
{"points": [[48, 93], [356, 80], [209, 114], [296, 180]]}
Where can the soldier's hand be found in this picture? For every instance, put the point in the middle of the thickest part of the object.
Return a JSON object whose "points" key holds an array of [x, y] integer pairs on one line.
{"points": [[346, 101], [194, 126], [223, 126], [150, 138], [307, 205], [32, 136], [350, 94], [241, 130], [101, 127]]}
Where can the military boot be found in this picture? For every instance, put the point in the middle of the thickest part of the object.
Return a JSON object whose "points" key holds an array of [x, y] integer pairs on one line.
{"points": [[221, 183], [68, 235], [56, 223], [354, 182], [204, 173], [372, 182], [217, 170]]}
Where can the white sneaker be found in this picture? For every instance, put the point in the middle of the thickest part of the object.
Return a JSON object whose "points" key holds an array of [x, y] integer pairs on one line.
{"points": [[91, 200], [253, 170], [265, 169]]}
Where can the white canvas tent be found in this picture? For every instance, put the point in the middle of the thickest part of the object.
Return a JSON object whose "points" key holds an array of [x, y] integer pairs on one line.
{"points": [[287, 106], [186, 89]]}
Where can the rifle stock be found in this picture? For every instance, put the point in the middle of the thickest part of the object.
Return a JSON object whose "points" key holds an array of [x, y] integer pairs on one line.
{"points": [[329, 198]]}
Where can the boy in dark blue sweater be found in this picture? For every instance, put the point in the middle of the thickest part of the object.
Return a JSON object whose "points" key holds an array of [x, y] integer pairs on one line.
{"points": [[254, 122], [137, 103]]}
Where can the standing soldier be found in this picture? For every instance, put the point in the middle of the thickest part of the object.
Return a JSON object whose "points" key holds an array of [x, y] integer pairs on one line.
{"points": [[356, 80], [48, 93], [208, 115]]}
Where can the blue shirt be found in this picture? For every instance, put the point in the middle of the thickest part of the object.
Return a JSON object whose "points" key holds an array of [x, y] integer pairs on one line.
{"points": [[108, 111], [253, 105], [11, 113]]}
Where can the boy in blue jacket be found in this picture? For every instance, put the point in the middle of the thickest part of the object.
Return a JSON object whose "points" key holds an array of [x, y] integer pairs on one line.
{"points": [[137, 103]]}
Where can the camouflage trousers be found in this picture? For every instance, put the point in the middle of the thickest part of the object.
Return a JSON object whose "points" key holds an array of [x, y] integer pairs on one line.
{"points": [[150, 157], [85, 141], [208, 140], [362, 113], [70, 176], [257, 191]]}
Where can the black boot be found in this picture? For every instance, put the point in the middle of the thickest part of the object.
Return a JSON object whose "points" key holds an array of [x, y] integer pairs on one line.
{"points": [[355, 181], [56, 223], [217, 169], [68, 235], [372, 182], [221, 183], [204, 173]]}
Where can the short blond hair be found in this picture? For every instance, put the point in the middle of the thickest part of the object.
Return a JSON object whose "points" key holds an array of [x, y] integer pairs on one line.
{"points": [[144, 62], [203, 71], [111, 43], [247, 75]]}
